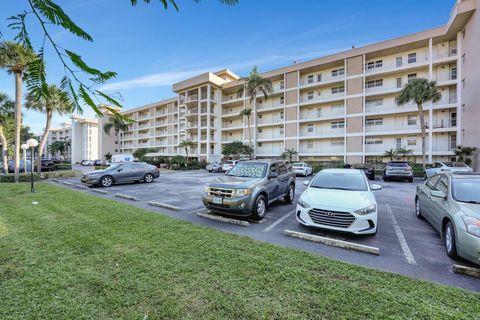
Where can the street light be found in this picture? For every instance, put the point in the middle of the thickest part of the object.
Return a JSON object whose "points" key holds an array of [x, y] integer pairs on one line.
{"points": [[32, 143], [24, 147]]}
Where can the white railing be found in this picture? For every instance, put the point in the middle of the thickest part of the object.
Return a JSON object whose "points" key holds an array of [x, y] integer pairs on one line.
{"points": [[232, 138], [320, 131], [231, 97], [387, 66], [270, 135], [324, 112], [269, 120], [317, 98], [269, 104], [323, 149], [304, 81], [192, 97]]}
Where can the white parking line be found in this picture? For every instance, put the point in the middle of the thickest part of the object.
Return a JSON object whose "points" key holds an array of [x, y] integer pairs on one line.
{"points": [[401, 238], [276, 223], [381, 179]]}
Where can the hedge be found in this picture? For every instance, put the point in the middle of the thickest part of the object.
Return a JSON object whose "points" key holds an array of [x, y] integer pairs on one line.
{"points": [[63, 166], [60, 174], [21, 178]]}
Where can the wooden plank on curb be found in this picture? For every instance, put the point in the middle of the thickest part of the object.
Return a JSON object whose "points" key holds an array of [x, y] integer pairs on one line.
{"points": [[99, 191], [223, 219], [333, 242], [467, 271], [126, 196], [163, 205]]}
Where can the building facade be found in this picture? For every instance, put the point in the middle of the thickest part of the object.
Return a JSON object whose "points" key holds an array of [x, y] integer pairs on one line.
{"points": [[337, 107], [84, 141]]}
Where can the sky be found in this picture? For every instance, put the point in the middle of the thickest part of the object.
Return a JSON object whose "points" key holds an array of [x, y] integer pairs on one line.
{"points": [[150, 48]]}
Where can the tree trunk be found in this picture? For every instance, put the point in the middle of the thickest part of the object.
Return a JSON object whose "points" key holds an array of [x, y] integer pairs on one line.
{"points": [[3, 141], [249, 132], [254, 111], [186, 159], [424, 134], [18, 122], [43, 142], [117, 132]]}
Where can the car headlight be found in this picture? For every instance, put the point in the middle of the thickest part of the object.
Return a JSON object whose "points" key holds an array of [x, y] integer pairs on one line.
{"points": [[242, 192], [206, 188], [370, 209], [303, 204], [472, 225]]}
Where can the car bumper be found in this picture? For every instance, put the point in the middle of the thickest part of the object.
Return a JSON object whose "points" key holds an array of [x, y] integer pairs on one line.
{"points": [[300, 172], [366, 224], [399, 175], [468, 246], [241, 206], [90, 180], [156, 175]]}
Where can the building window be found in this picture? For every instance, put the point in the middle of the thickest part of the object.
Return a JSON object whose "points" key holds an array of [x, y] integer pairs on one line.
{"points": [[282, 100], [281, 115], [453, 73], [339, 89], [282, 85], [260, 130], [319, 77], [463, 58], [337, 124], [336, 142], [411, 141], [310, 128], [310, 79], [374, 83], [412, 57], [374, 122], [310, 95], [399, 82], [281, 130], [338, 72], [398, 62], [374, 64], [373, 141], [310, 145], [412, 120], [411, 77], [463, 83], [374, 102]]}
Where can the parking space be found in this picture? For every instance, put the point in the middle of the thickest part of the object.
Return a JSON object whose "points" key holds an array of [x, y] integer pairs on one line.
{"points": [[407, 245]]}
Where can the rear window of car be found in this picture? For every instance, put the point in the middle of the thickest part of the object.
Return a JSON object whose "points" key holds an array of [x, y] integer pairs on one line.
{"points": [[398, 164], [297, 165], [229, 162]]}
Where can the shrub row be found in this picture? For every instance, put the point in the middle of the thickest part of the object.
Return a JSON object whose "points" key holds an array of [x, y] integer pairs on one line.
{"points": [[63, 166], [60, 174], [21, 178]]}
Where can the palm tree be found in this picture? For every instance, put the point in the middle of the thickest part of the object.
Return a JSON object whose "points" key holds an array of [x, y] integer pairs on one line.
{"points": [[289, 153], [15, 58], [253, 84], [463, 154], [420, 91], [404, 151], [7, 107], [56, 100], [186, 144], [118, 124], [390, 153]]}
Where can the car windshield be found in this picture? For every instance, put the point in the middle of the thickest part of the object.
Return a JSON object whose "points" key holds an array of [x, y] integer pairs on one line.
{"points": [[340, 181], [466, 190], [249, 170]]}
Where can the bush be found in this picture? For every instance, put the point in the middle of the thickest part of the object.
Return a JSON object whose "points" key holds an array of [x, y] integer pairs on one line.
{"points": [[60, 174], [21, 178], [63, 166], [319, 165]]}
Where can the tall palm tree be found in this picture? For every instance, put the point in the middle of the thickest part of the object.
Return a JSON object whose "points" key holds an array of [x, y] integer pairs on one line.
{"points": [[254, 84], [289, 153], [118, 124], [390, 153], [420, 91], [7, 107], [15, 58], [186, 144], [55, 100]]}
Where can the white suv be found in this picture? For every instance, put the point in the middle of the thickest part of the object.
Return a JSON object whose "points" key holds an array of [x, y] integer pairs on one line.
{"points": [[228, 165]]}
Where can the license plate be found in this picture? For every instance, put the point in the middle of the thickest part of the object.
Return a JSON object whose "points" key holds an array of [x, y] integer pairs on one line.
{"points": [[217, 200]]}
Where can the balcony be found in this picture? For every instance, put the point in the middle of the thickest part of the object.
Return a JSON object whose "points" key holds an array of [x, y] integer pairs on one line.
{"points": [[304, 132], [374, 108], [269, 135], [192, 111], [143, 116], [322, 98], [161, 113], [305, 82], [193, 97], [324, 149], [143, 135], [270, 104], [421, 59], [227, 125], [143, 126], [271, 120], [321, 113], [269, 150], [161, 123], [440, 54], [232, 138], [393, 128], [232, 97]]}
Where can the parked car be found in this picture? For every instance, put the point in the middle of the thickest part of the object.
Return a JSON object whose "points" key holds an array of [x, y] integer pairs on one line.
{"points": [[21, 166], [228, 165], [340, 200], [55, 160], [87, 163], [368, 168], [302, 168], [450, 202], [46, 165], [121, 173], [214, 167], [249, 187], [446, 166], [98, 162], [400, 170]]}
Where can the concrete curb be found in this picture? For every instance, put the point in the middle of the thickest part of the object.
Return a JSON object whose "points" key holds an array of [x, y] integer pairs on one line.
{"points": [[223, 219], [80, 186], [126, 196], [467, 271], [333, 242], [163, 205], [67, 183], [99, 191]]}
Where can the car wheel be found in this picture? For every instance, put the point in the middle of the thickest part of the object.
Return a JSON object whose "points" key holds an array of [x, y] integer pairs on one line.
{"points": [[450, 243], [106, 181], [418, 210], [425, 176], [260, 208], [290, 194], [410, 180], [148, 178]]}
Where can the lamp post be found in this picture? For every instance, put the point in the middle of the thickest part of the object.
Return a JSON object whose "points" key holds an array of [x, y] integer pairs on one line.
{"points": [[24, 147], [32, 144]]}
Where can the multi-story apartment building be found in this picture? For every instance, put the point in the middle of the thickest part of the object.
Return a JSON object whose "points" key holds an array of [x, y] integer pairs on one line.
{"points": [[64, 133], [337, 107], [84, 139]]}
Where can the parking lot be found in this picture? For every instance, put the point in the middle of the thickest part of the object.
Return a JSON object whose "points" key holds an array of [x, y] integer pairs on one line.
{"points": [[407, 245]]}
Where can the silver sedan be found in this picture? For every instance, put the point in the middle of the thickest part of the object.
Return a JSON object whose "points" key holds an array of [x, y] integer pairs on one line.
{"points": [[122, 173]]}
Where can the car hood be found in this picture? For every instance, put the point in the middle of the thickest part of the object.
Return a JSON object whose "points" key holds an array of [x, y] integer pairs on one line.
{"points": [[233, 182], [95, 172], [471, 209], [338, 200]]}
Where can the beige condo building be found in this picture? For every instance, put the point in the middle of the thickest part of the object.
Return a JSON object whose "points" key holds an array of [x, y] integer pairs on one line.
{"points": [[337, 107]]}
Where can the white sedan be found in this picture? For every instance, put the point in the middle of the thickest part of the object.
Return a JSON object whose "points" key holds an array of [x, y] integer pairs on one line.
{"points": [[340, 200], [302, 168], [446, 167]]}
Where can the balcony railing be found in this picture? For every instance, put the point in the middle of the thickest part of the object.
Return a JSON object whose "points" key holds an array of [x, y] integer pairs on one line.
{"points": [[270, 120], [388, 66], [232, 125], [269, 150], [304, 132], [269, 104], [323, 149], [231, 97], [193, 97], [450, 52], [304, 81], [396, 127], [317, 98], [324, 112], [270, 135], [143, 116]]}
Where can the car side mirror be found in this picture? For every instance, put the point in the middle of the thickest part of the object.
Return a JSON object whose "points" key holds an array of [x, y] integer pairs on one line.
{"points": [[273, 175], [119, 170], [306, 182], [376, 187], [438, 194]]}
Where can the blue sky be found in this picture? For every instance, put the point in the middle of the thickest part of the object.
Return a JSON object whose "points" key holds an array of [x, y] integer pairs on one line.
{"points": [[151, 48]]}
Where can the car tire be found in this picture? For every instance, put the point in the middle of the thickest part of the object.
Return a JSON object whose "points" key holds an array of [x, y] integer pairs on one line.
{"points": [[425, 176], [148, 178], [259, 208], [450, 243], [290, 195], [418, 210], [106, 181], [410, 180], [372, 177]]}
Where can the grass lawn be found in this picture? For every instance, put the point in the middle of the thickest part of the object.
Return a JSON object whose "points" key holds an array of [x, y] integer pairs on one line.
{"points": [[76, 256]]}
